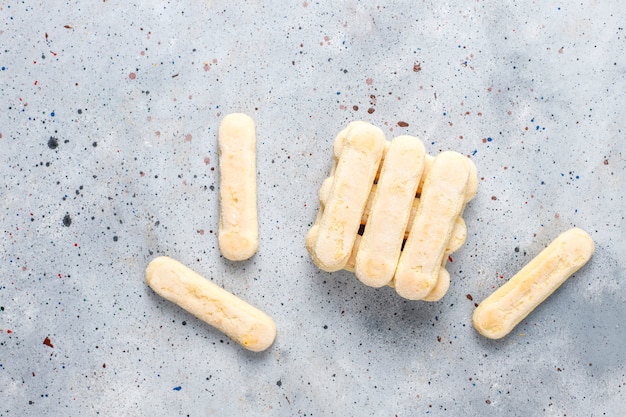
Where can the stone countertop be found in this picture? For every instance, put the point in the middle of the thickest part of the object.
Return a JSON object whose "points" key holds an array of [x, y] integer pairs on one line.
{"points": [[108, 125]]}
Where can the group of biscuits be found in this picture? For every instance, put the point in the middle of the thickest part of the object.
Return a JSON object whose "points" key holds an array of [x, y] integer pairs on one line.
{"points": [[388, 212], [391, 213]]}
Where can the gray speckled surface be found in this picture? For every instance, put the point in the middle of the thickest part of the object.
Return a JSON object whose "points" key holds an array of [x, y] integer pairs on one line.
{"points": [[133, 92]]}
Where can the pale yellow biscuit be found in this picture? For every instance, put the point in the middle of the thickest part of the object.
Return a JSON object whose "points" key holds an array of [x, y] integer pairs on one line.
{"points": [[332, 238], [380, 245], [238, 227], [499, 313], [441, 203], [245, 324]]}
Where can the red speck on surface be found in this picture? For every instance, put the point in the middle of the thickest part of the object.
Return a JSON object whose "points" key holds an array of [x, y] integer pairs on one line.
{"points": [[305, 4], [47, 342], [403, 124], [606, 161], [369, 81], [104, 365], [450, 259], [36, 82], [439, 339], [493, 197], [469, 297], [557, 215], [207, 160], [188, 137], [68, 27], [417, 67], [9, 331], [371, 110], [201, 231], [561, 50], [32, 373], [206, 67], [60, 276], [484, 140], [132, 75]]}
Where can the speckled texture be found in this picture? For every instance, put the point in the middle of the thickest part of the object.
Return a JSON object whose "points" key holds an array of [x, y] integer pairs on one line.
{"points": [[108, 129]]}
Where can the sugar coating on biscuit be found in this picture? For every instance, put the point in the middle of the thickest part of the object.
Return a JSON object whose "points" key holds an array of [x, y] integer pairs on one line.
{"points": [[331, 242], [381, 243], [245, 324], [238, 233], [441, 203], [499, 313]]}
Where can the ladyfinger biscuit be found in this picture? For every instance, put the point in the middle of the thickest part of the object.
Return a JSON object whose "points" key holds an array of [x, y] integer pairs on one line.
{"points": [[442, 199], [499, 313], [238, 227], [245, 324], [391, 207], [353, 179]]}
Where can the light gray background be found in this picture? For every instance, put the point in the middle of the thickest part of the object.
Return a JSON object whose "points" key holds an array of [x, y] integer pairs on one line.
{"points": [[134, 92]]}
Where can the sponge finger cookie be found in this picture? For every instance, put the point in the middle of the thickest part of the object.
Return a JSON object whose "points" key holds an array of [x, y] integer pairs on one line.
{"points": [[238, 228], [441, 203], [245, 324], [499, 313], [353, 178], [381, 243]]}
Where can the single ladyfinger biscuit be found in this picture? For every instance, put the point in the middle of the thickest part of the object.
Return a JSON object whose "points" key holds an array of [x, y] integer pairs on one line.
{"points": [[380, 245], [238, 228], [353, 179], [499, 313], [245, 324], [442, 199]]}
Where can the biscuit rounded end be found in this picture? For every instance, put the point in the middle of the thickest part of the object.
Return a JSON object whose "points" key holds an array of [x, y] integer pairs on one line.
{"points": [[236, 121], [154, 265], [412, 285], [490, 322], [261, 336], [237, 247]]}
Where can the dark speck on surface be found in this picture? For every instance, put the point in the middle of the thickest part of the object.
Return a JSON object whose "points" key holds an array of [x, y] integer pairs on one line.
{"points": [[67, 220], [53, 142]]}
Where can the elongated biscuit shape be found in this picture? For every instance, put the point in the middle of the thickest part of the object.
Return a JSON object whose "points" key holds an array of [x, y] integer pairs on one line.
{"points": [[499, 313], [245, 324], [380, 245], [238, 228], [441, 202], [331, 242]]}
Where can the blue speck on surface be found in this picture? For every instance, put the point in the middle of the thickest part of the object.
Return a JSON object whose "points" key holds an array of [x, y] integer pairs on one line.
{"points": [[4, 68], [475, 151], [489, 139], [178, 388], [52, 114]]}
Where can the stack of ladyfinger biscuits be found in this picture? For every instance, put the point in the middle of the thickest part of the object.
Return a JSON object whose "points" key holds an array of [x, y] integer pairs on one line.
{"points": [[391, 213]]}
